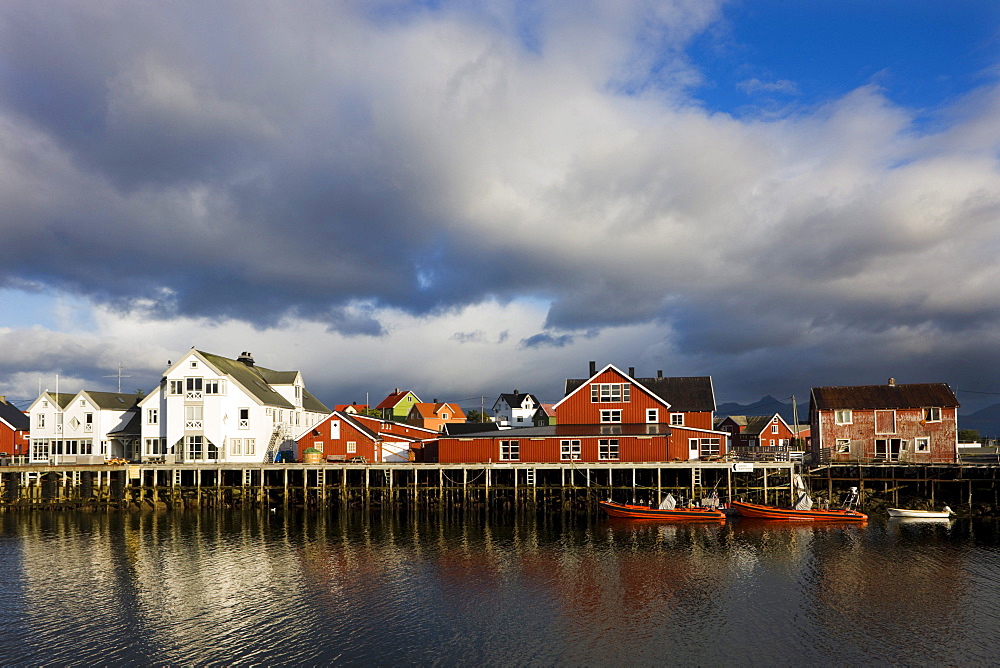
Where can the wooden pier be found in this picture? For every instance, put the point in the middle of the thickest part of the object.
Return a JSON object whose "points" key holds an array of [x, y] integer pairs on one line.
{"points": [[566, 485]]}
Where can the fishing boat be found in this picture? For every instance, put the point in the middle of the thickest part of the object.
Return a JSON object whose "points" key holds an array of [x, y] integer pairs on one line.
{"points": [[802, 509], [922, 514], [667, 510]]}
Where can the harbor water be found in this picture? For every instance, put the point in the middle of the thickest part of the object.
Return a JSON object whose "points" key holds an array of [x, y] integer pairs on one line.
{"points": [[293, 587]]}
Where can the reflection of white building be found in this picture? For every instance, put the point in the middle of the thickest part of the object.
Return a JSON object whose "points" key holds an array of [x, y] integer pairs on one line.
{"points": [[211, 408], [85, 427]]}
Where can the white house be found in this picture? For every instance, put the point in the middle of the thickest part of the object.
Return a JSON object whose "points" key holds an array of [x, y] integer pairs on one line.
{"points": [[515, 410], [212, 408], [86, 427]]}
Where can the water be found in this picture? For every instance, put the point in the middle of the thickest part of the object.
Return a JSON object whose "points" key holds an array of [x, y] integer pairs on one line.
{"points": [[297, 588]]}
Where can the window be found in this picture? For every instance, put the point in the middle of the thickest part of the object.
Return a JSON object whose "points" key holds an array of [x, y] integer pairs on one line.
{"points": [[842, 417], [774, 429], [193, 416], [156, 446], [236, 446], [843, 446], [318, 445], [215, 386], [611, 415], [352, 446], [83, 402], [194, 388], [249, 446], [709, 447], [677, 419], [193, 446], [922, 445], [607, 448], [652, 415], [177, 387], [152, 416], [771, 442], [194, 364], [88, 422], [610, 392], [40, 420], [510, 451], [932, 415], [74, 423], [444, 416], [885, 422], [569, 450], [244, 421]]}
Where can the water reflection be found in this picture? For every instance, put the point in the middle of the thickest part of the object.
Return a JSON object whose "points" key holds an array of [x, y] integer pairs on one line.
{"points": [[284, 588]]}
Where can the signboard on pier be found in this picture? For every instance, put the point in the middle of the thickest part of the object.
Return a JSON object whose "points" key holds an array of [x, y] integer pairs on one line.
{"points": [[742, 467]]}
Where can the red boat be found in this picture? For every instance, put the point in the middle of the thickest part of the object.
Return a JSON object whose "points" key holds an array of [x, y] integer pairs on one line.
{"points": [[773, 513], [633, 512]]}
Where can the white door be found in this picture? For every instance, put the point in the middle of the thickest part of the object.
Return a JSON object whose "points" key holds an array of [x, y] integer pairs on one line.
{"points": [[693, 448]]}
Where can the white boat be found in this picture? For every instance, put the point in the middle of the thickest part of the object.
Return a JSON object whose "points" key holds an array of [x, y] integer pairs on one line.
{"points": [[924, 514]]}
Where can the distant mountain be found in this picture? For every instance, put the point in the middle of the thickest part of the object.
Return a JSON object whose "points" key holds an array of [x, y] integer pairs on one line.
{"points": [[986, 421], [765, 406]]}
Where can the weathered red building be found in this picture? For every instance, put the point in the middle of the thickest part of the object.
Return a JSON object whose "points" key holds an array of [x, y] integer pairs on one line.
{"points": [[344, 436], [609, 417], [915, 423], [14, 429]]}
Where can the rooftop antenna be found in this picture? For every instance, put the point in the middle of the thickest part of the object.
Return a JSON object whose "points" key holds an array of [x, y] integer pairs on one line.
{"points": [[120, 376]]}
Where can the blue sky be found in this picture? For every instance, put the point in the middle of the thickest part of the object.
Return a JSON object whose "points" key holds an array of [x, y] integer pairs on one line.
{"points": [[467, 198]]}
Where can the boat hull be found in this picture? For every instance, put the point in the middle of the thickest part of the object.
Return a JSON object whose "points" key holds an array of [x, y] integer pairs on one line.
{"points": [[772, 513], [632, 512], [922, 514]]}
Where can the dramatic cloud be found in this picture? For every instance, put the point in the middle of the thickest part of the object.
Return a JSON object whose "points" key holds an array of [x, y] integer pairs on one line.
{"points": [[335, 170]]}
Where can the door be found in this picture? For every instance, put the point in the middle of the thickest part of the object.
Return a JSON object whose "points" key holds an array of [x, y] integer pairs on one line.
{"points": [[693, 452]]}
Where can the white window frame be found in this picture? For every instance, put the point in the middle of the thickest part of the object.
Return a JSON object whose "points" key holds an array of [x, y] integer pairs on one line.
{"points": [[152, 416], [249, 446], [176, 387], [215, 386], [570, 450], [610, 393], [243, 422], [677, 419], [774, 429], [236, 446], [843, 416], [708, 447], [607, 449], [194, 416], [611, 416], [652, 415], [843, 446], [931, 412], [876, 425], [352, 447], [510, 451], [193, 387], [922, 444]]}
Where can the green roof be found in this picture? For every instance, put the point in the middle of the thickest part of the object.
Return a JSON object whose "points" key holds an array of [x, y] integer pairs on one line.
{"points": [[257, 381]]}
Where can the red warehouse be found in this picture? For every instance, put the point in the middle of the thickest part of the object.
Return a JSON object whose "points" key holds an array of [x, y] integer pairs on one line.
{"points": [[345, 436]]}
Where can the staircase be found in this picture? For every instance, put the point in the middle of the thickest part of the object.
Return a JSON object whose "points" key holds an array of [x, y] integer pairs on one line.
{"points": [[277, 438]]}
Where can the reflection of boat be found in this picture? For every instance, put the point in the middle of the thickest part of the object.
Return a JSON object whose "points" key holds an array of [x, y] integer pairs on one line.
{"points": [[634, 512], [922, 514], [802, 509]]}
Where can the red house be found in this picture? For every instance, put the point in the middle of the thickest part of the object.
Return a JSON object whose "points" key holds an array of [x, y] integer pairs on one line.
{"points": [[14, 429], [757, 431], [609, 417], [915, 423], [345, 436]]}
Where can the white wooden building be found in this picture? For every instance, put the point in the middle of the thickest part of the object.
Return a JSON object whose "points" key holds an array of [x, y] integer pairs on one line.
{"points": [[87, 427], [212, 408]]}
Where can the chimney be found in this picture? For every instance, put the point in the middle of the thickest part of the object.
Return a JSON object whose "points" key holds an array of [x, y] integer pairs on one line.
{"points": [[593, 367], [892, 382], [246, 358], [3, 398], [631, 372], [516, 392], [659, 373]]}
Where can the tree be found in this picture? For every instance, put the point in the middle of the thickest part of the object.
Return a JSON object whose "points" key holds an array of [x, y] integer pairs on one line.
{"points": [[968, 435], [371, 412], [472, 415]]}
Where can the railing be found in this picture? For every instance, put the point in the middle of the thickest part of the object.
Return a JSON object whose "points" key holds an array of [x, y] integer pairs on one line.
{"points": [[193, 394], [88, 428], [193, 424], [761, 453]]}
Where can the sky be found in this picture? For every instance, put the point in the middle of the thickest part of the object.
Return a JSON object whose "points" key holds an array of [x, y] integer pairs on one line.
{"points": [[467, 198]]}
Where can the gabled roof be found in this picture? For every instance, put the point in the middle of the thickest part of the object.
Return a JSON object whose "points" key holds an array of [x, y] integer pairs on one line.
{"points": [[113, 401], [356, 407], [430, 410], [132, 428], [61, 399], [14, 416], [682, 394], [257, 380], [759, 423], [739, 420], [869, 397], [515, 399], [394, 398]]}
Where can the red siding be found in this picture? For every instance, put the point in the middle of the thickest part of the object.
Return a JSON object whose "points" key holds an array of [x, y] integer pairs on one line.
{"points": [[320, 437], [579, 409], [13, 442], [909, 425], [547, 450]]}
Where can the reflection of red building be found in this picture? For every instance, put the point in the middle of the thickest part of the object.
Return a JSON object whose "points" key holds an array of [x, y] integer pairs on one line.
{"points": [[609, 417], [14, 429]]}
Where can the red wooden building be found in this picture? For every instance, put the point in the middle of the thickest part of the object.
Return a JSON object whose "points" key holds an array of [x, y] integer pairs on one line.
{"points": [[345, 436], [915, 423], [14, 429], [609, 417]]}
